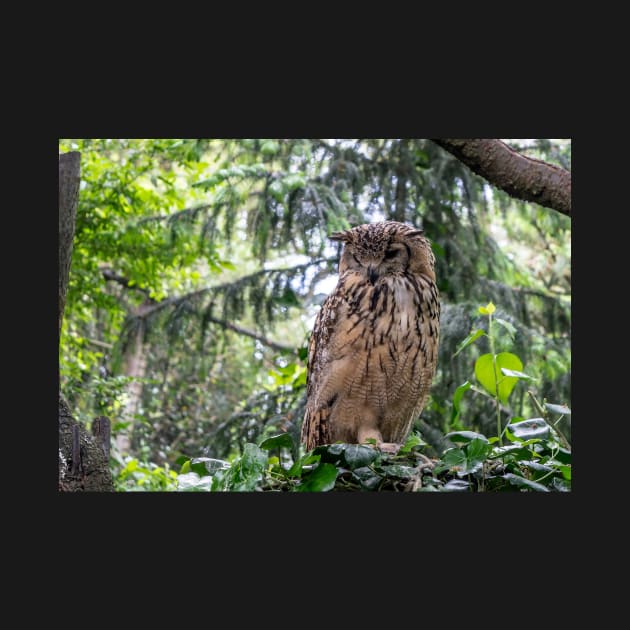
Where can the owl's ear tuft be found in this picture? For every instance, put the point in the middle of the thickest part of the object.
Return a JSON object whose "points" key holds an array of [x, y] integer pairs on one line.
{"points": [[415, 233], [339, 236]]}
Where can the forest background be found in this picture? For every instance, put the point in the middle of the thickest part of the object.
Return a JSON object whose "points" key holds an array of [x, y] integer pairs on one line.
{"points": [[197, 269]]}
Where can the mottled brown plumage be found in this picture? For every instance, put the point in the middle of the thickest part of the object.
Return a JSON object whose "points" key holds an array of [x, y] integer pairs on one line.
{"points": [[373, 350]]}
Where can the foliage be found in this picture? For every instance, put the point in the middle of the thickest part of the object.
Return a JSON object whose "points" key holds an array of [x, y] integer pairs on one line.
{"points": [[205, 261], [141, 477], [533, 461], [537, 458]]}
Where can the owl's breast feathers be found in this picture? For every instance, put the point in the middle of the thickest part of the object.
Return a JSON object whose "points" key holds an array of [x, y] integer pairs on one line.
{"points": [[373, 353]]}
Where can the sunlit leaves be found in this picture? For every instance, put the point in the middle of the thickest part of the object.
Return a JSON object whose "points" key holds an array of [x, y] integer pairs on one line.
{"points": [[471, 338], [488, 373]]}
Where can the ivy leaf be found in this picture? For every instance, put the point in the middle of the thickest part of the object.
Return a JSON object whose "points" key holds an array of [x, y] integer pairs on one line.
{"points": [[284, 440], [454, 458], [517, 480], [367, 477], [561, 409], [456, 485], [472, 337], [484, 371], [413, 440], [321, 479], [465, 436], [529, 429], [357, 455], [192, 482], [400, 472], [296, 469], [207, 466], [477, 450]]}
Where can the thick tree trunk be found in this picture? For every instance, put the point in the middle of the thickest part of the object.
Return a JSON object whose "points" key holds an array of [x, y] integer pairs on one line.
{"points": [[519, 176], [69, 165], [83, 463]]}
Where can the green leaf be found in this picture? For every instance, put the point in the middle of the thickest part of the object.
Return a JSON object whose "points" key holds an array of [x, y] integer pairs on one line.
{"points": [[456, 485], [516, 374], [367, 477], [472, 337], [454, 457], [488, 309], [465, 436], [478, 450], [517, 480], [561, 485], [321, 479], [515, 451], [283, 440], [185, 467], [561, 409], [207, 466], [303, 353], [296, 469], [535, 466], [528, 429], [192, 482], [412, 441], [398, 471], [484, 371], [254, 459], [330, 453], [563, 455], [457, 398], [509, 327], [357, 455], [245, 472]]}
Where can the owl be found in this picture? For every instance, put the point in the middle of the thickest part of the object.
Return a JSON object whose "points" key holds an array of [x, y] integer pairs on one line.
{"points": [[373, 351]]}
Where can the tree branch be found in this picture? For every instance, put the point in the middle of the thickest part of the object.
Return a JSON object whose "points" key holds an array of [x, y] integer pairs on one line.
{"points": [[249, 333], [151, 306], [519, 176]]}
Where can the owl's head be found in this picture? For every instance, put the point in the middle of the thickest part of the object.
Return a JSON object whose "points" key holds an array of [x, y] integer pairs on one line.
{"points": [[385, 248]]}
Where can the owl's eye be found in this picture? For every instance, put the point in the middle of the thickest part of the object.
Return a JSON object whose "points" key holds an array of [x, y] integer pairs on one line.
{"points": [[391, 254]]}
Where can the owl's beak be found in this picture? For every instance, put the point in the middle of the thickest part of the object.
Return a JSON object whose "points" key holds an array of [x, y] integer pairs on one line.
{"points": [[372, 274]]}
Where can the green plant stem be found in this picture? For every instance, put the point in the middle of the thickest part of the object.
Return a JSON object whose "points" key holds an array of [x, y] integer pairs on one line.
{"points": [[496, 380]]}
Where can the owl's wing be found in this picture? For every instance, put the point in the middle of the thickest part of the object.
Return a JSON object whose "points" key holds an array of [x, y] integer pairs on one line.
{"points": [[315, 427]]}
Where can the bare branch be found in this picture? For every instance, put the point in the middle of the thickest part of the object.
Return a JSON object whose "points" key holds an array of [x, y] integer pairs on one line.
{"points": [[519, 176], [250, 333]]}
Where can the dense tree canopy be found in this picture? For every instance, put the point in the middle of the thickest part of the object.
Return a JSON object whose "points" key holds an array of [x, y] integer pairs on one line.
{"points": [[198, 266]]}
